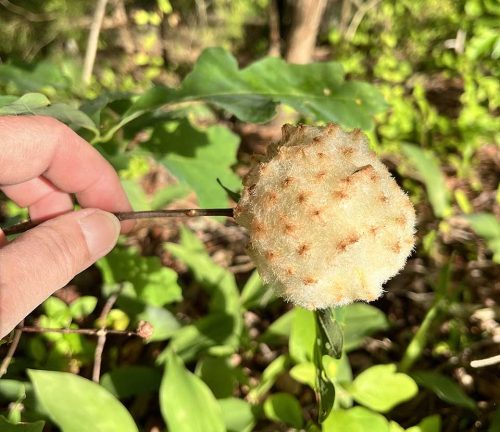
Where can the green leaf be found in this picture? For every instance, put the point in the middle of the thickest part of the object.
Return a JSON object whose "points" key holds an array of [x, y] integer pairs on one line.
{"points": [[429, 169], [304, 373], [302, 335], [153, 283], [330, 332], [487, 226], [85, 403], [357, 419], [38, 104], [316, 90], [6, 426], [444, 388], [361, 320], [218, 375], [82, 306], [237, 414], [164, 323], [12, 390], [131, 381], [197, 158], [268, 378], [495, 421], [26, 104], [279, 331], [218, 281], [186, 403], [428, 424], [212, 332], [381, 388], [284, 408], [255, 293], [69, 115]]}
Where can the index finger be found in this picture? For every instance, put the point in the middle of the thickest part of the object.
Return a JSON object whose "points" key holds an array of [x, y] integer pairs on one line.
{"points": [[33, 146]]}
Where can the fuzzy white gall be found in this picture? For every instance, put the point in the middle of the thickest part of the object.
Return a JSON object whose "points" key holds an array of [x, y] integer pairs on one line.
{"points": [[328, 224]]}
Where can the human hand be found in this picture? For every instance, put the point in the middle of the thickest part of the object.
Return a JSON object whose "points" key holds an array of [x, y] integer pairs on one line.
{"points": [[42, 162]]}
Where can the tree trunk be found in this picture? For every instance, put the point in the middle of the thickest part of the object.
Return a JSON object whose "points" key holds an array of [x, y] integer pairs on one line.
{"points": [[304, 30]]}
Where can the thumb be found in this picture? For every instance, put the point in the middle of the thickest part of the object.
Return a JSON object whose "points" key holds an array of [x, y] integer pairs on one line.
{"points": [[47, 257]]}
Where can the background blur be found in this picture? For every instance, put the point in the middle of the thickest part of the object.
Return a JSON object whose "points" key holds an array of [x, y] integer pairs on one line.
{"points": [[249, 366]]}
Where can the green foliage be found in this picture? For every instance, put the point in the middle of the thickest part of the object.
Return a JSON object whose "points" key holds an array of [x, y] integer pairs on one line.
{"points": [[6, 426], [186, 402], [84, 401], [445, 388], [487, 226], [237, 414], [197, 158], [151, 283], [283, 407], [131, 381], [381, 388], [428, 168], [231, 349]]}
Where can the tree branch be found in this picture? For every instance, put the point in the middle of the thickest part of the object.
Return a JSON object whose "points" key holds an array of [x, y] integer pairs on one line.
{"points": [[27, 225], [95, 29]]}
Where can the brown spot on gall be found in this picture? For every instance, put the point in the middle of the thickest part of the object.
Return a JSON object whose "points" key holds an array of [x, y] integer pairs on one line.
{"points": [[257, 228], [317, 140], [271, 197], [331, 128], [374, 230], [302, 197], [287, 181], [383, 199], [289, 228], [339, 195], [270, 255], [348, 241], [347, 151], [316, 213], [396, 247], [290, 271], [319, 176], [309, 280], [303, 249], [321, 155], [400, 220]]}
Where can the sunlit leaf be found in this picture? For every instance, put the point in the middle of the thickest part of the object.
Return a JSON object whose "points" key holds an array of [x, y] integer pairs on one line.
{"points": [[85, 403], [381, 388], [429, 170], [361, 320], [198, 158], [153, 283], [186, 403], [357, 419], [284, 408], [487, 226], [237, 414]]}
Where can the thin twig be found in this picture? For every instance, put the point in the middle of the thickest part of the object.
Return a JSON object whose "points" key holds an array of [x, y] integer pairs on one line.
{"points": [[274, 30], [95, 29], [358, 17], [490, 361], [89, 332], [101, 334], [25, 13], [27, 225], [12, 349]]}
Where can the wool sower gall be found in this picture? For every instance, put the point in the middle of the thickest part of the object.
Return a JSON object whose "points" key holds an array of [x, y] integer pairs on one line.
{"points": [[328, 223]]}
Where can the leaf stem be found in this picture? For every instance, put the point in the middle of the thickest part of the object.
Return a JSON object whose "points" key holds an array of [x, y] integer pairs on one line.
{"points": [[27, 225]]}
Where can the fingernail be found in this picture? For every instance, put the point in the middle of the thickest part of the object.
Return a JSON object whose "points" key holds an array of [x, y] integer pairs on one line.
{"points": [[101, 230]]}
